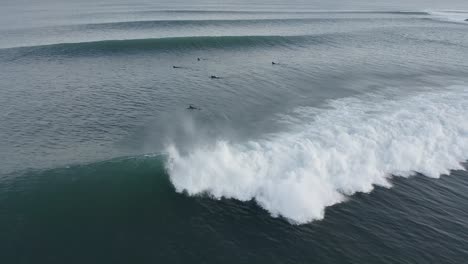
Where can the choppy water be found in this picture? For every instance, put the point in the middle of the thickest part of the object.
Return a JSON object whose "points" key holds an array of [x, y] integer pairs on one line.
{"points": [[349, 150]]}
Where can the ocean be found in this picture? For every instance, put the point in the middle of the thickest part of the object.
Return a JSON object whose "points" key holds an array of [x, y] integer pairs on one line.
{"points": [[233, 131]]}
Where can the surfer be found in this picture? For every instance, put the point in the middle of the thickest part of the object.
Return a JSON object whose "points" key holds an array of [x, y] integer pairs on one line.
{"points": [[176, 67], [273, 63], [214, 77], [191, 107], [198, 59]]}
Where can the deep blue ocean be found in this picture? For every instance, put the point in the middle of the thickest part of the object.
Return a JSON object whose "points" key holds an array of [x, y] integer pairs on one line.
{"points": [[233, 131]]}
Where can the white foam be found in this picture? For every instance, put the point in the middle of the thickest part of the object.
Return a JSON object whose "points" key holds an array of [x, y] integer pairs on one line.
{"points": [[332, 153], [452, 16]]}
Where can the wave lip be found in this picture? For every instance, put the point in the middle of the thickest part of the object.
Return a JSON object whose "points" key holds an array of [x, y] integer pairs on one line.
{"points": [[359, 143]]}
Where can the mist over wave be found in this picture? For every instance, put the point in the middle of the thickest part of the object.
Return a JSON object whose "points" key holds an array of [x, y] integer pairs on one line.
{"points": [[332, 153]]}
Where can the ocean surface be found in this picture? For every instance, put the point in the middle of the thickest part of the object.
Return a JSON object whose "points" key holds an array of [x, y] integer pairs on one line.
{"points": [[351, 147]]}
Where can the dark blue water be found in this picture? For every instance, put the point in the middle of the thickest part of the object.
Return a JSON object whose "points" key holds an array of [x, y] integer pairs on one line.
{"points": [[349, 149]]}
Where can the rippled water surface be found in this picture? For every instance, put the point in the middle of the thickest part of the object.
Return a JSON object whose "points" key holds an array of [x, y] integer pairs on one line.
{"points": [[349, 148]]}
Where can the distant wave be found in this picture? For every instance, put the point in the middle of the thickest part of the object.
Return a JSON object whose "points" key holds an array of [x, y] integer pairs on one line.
{"points": [[184, 17], [450, 16], [201, 17], [165, 28], [244, 20], [332, 153], [165, 44], [195, 11], [208, 22], [299, 12]]}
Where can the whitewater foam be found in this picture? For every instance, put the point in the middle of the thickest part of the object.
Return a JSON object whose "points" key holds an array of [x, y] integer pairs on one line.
{"points": [[451, 16], [332, 153]]}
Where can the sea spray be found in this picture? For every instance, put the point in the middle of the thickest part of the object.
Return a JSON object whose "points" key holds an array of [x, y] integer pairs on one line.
{"points": [[350, 147]]}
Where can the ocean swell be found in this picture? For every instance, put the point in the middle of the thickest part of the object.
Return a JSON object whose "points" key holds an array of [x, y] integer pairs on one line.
{"points": [[330, 154], [98, 48]]}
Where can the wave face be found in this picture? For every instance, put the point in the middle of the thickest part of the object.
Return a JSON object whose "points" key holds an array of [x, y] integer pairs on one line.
{"points": [[166, 44], [333, 153]]}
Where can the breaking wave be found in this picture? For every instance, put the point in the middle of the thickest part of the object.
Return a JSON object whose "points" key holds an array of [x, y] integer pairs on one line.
{"points": [[330, 154], [450, 16]]}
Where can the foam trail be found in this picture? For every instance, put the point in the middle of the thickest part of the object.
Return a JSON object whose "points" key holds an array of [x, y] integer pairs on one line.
{"points": [[332, 153]]}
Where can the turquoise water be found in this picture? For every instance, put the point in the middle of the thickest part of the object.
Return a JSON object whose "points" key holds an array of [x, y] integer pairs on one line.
{"points": [[352, 148], [126, 210]]}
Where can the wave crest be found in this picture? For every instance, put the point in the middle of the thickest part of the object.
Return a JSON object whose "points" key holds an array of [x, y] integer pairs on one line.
{"points": [[98, 48], [332, 153]]}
